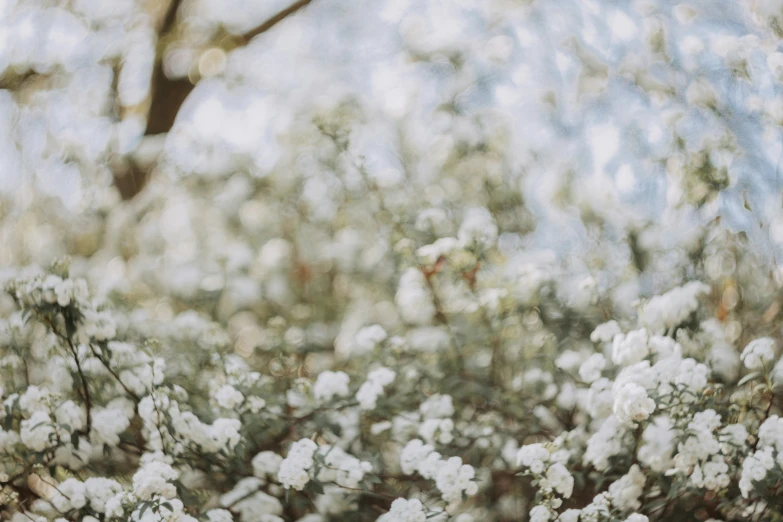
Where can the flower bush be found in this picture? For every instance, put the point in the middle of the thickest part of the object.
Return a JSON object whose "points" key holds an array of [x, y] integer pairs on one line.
{"points": [[407, 297], [484, 405]]}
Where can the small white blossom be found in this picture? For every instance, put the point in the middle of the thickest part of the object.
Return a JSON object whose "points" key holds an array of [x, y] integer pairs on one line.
{"points": [[625, 491], [630, 348], [533, 456], [559, 478], [590, 370], [403, 510], [632, 404], [153, 479], [540, 514], [373, 387], [759, 353], [228, 397], [294, 469], [330, 385], [369, 337], [266, 463], [478, 228], [605, 332]]}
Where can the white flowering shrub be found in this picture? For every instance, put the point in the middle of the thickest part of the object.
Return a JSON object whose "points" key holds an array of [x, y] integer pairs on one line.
{"points": [[470, 261]]}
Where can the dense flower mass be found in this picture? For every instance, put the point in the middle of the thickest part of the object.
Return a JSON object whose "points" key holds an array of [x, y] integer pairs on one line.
{"points": [[403, 261]]}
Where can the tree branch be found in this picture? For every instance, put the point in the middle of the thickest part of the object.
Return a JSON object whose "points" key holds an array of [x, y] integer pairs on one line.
{"points": [[168, 95], [276, 19]]}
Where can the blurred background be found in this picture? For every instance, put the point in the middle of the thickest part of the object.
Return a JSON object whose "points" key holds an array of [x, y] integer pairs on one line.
{"points": [[136, 135]]}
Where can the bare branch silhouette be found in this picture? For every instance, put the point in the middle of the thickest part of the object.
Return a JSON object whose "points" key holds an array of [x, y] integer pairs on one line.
{"points": [[168, 95]]}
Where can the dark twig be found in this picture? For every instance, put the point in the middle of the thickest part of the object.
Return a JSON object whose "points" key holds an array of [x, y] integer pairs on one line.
{"points": [[85, 387], [168, 94]]}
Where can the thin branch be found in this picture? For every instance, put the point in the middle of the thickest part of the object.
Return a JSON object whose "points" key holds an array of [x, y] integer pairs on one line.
{"points": [[85, 387], [114, 374], [276, 19]]}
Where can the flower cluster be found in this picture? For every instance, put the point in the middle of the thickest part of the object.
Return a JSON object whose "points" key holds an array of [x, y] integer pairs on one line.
{"points": [[294, 469], [451, 476]]}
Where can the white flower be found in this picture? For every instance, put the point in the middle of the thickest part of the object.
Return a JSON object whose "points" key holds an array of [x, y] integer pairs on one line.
{"points": [[294, 469], [675, 306], [478, 228], [598, 509], [733, 438], [70, 414], [690, 373], [99, 490], [540, 514], [560, 479], [153, 479], [219, 515], [266, 463], [114, 504], [569, 515], [707, 420], [8, 439], [405, 511], [372, 389], [711, 475], [434, 219], [368, 338], [659, 438], [569, 360], [771, 432], [413, 454], [99, 325], [255, 404], [437, 406], [228, 397], [330, 385], [630, 348], [533, 456], [437, 429], [590, 370], [252, 504], [70, 494], [632, 404], [429, 254], [341, 468], [605, 443], [759, 353], [37, 432], [600, 399], [640, 373], [754, 469], [413, 298], [605, 332], [625, 491], [35, 399], [455, 478], [662, 346]]}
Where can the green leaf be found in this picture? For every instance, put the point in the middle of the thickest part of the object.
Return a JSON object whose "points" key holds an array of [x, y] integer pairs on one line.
{"points": [[749, 377], [656, 504]]}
